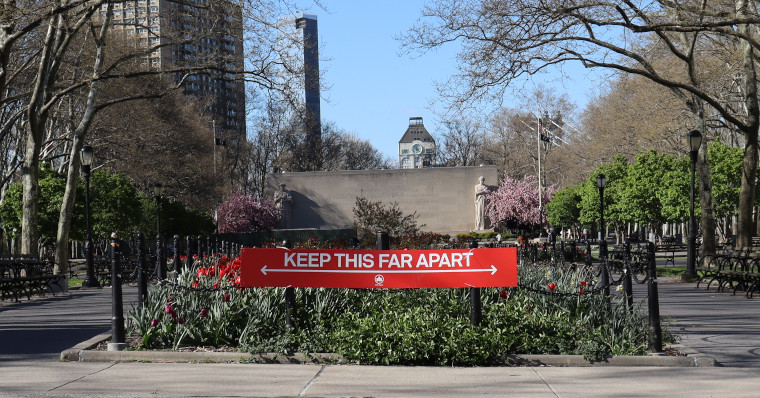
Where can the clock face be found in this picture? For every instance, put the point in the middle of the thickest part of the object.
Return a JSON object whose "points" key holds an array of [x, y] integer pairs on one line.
{"points": [[417, 148]]}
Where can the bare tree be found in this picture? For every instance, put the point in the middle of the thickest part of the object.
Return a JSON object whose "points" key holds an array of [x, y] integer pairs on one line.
{"points": [[461, 143], [505, 41]]}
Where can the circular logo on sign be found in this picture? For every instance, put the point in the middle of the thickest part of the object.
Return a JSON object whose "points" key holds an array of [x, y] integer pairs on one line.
{"points": [[379, 279]]}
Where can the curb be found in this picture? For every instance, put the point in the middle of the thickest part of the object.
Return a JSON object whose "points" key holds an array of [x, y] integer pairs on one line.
{"points": [[83, 352]]}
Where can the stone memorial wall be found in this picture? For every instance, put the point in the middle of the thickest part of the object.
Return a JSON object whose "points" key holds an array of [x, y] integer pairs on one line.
{"points": [[443, 197]]}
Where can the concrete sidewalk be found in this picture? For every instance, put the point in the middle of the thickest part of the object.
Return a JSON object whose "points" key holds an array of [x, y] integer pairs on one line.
{"points": [[718, 324], [34, 333], [50, 379]]}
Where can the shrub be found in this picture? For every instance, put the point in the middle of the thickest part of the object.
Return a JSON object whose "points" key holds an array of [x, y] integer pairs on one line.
{"points": [[371, 217]]}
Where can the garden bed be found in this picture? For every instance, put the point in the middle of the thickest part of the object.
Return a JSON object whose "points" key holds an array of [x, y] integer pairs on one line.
{"points": [[553, 312]]}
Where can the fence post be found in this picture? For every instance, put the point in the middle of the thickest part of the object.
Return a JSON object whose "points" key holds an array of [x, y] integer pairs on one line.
{"points": [[117, 303], [573, 252], [627, 277], [160, 258], [655, 328], [290, 298], [142, 277], [200, 249], [189, 252], [588, 258], [476, 306], [604, 275], [177, 261]]}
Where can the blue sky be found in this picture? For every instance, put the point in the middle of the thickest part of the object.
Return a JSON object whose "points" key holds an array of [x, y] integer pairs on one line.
{"points": [[372, 89]]}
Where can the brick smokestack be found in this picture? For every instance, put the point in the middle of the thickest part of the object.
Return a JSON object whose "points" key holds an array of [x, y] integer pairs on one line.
{"points": [[313, 124]]}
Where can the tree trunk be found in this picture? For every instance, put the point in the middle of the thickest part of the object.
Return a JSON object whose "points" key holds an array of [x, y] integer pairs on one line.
{"points": [[747, 193], [705, 186], [31, 194], [749, 170], [69, 196], [67, 209]]}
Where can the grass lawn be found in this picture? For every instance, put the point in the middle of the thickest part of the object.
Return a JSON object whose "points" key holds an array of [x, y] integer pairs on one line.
{"points": [[673, 271], [75, 282]]}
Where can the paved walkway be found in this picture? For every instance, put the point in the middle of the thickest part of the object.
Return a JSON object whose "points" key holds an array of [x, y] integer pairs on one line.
{"points": [[39, 329], [32, 335]]}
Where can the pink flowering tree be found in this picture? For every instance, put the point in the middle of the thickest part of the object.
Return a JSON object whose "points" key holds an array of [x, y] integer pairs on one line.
{"points": [[242, 213], [515, 203]]}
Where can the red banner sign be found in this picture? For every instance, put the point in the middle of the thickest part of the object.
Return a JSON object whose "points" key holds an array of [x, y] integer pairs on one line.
{"points": [[378, 268]]}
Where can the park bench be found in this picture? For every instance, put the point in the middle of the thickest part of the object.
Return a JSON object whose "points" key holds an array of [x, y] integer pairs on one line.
{"points": [[732, 267], [668, 251], [27, 276]]}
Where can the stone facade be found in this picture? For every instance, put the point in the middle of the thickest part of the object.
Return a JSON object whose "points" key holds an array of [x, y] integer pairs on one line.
{"points": [[442, 197]]}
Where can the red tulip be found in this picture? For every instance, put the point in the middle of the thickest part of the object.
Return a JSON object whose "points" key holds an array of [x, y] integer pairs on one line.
{"points": [[154, 323], [204, 312], [503, 294], [227, 297], [552, 286], [583, 284], [168, 309], [181, 320]]}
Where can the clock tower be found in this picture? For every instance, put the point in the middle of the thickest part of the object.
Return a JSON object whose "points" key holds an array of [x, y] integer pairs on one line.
{"points": [[416, 149]]}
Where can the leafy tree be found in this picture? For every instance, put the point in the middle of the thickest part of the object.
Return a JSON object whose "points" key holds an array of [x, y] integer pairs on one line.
{"points": [[371, 217], [616, 173], [515, 203], [115, 205], [242, 213], [643, 188], [51, 187], [176, 218], [564, 208], [674, 191], [726, 177]]}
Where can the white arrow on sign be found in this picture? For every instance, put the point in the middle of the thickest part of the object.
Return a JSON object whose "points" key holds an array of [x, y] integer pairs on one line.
{"points": [[492, 270]]}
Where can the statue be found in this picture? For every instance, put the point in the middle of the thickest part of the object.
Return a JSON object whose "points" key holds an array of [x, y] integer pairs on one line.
{"points": [[282, 200], [481, 191]]}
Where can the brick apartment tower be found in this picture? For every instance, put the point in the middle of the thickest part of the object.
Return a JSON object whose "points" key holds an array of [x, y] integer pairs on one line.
{"points": [[312, 117], [200, 38]]}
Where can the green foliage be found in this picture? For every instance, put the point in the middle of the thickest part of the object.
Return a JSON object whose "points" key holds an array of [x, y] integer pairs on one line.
{"points": [[421, 240], [115, 206], [564, 208], [616, 173], [371, 217], [482, 235], [114, 202], [644, 187], [673, 192], [52, 186], [175, 219], [403, 327], [725, 173]]}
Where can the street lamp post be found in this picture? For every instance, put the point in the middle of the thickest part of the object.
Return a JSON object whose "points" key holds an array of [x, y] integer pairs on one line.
{"points": [[695, 141], [90, 280], [158, 190], [601, 182]]}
